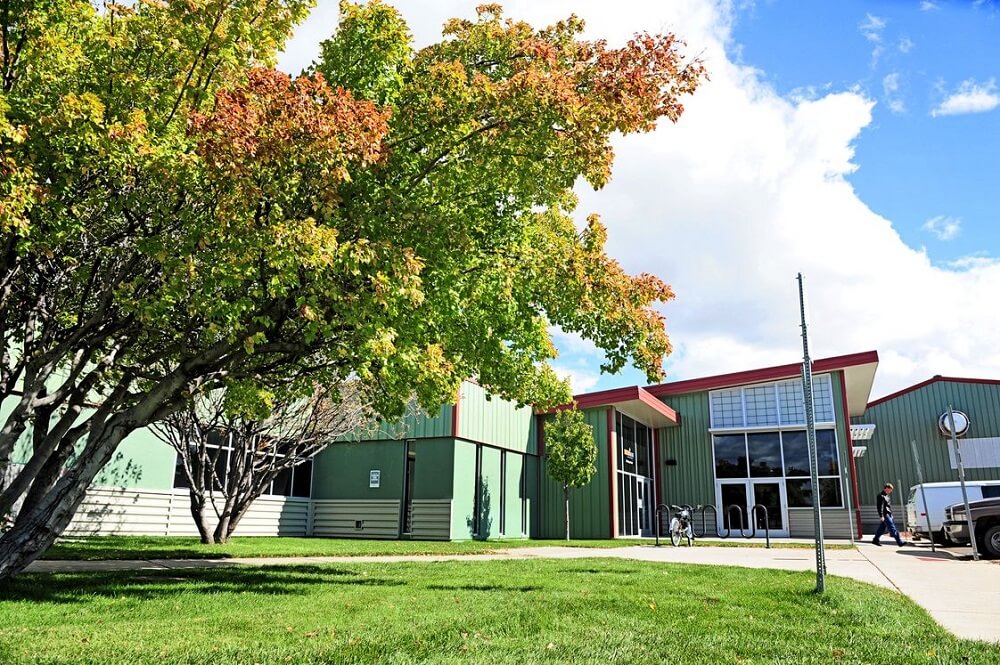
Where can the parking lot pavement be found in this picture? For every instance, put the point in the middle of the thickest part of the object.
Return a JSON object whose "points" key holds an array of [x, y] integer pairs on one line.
{"points": [[962, 595]]}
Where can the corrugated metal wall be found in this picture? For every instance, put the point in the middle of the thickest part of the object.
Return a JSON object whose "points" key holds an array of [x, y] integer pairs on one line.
{"points": [[589, 506], [416, 424], [692, 479], [913, 417], [495, 421]]}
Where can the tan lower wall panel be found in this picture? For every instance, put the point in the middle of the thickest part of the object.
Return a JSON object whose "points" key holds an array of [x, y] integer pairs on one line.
{"points": [[837, 523], [431, 519], [333, 517]]}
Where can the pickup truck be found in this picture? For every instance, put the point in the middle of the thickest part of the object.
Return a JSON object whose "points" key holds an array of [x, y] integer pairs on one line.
{"points": [[986, 522]]}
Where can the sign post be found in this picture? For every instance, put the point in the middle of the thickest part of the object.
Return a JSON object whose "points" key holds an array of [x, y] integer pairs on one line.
{"points": [[961, 477], [807, 395], [923, 494]]}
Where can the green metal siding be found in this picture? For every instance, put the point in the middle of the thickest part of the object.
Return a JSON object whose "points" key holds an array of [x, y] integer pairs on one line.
{"points": [[417, 424], [513, 495], [692, 479], [913, 417], [589, 507], [495, 421]]}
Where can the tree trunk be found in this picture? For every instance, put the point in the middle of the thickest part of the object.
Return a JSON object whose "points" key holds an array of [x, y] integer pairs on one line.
{"points": [[566, 499], [226, 527], [198, 505], [39, 524]]}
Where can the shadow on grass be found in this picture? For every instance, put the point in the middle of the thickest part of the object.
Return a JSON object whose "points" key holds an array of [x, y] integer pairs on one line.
{"points": [[481, 587], [147, 585]]}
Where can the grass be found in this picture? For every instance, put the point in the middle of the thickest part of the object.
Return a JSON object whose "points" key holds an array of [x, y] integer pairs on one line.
{"points": [[179, 547], [583, 610]]}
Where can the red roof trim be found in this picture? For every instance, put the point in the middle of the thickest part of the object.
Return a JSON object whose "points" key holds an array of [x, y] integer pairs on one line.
{"points": [[760, 375], [933, 379], [619, 395]]}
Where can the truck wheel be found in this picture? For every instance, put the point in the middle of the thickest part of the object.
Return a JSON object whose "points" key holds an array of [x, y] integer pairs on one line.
{"points": [[990, 541], [940, 539]]}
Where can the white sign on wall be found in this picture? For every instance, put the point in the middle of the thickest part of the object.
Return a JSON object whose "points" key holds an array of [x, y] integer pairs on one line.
{"points": [[374, 477]]}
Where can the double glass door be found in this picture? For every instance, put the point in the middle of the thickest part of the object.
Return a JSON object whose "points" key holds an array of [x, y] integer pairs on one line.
{"points": [[746, 494]]}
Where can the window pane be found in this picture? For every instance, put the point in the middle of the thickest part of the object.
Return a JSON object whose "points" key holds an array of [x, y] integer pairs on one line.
{"points": [[823, 398], [765, 454], [829, 492], [282, 485], [180, 478], [761, 407], [730, 456], [628, 445], [793, 410], [221, 468], [799, 492], [727, 408], [619, 425], [642, 450], [796, 449], [826, 452], [302, 480]]}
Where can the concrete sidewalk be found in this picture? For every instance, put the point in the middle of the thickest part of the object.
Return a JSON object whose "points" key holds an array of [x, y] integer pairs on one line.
{"points": [[962, 596]]}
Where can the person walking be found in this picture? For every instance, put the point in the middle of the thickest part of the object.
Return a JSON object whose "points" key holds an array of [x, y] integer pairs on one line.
{"points": [[884, 506]]}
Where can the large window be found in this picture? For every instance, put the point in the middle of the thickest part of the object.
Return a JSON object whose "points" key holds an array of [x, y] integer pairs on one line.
{"points": [[295, 482], [785, 455], [771, 404]]}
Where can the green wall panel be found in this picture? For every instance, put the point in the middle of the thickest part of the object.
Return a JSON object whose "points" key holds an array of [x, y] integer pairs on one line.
{"points": [[514, 495], [463, 494], [433, 473], [342, 471], [495, 421], [489, 488], [142, 461], [589, 506], [913, 417]]}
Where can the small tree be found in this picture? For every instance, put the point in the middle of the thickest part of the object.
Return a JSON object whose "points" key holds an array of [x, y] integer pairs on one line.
{"points": [[571, 453], [230, 459]]}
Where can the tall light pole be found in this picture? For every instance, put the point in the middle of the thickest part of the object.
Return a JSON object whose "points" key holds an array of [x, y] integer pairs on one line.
{"points": [[807, 395]]}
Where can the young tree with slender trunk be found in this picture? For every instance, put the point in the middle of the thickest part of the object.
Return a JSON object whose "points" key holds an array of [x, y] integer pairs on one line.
{"points": [[230, 459], [570, 453], [177, 217]]}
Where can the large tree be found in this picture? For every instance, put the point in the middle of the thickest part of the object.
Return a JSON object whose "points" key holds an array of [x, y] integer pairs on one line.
{"points": [[178, 218]]}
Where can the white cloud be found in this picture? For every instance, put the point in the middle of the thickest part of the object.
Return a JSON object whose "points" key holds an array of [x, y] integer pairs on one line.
{"points": [[890, 88], [750, 188], [905, 45], [928, 6], [580, 380], [872, 28], [943, 227], [970, 98]]}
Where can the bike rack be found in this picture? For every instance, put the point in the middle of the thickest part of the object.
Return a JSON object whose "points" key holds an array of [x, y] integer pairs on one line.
{"points": [[729, 522], [659, 510], [715, 521], [767, 530]]}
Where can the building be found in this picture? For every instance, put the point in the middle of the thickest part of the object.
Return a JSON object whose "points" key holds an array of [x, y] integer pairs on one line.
{"points": [[913, 415], [476, 469]]}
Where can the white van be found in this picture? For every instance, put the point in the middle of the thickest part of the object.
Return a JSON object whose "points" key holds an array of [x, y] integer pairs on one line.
{"points": [[939, 497]]}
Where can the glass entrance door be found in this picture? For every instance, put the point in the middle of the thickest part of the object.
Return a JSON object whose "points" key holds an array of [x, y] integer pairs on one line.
{"points": [[746, 494], [647, 507]]}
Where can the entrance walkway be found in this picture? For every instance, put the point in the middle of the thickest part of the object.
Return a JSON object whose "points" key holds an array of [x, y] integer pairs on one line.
{"points": [[963, 596]]}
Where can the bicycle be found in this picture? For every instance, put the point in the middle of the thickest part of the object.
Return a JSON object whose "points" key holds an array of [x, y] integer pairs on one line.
{"points": [[680, 525]]}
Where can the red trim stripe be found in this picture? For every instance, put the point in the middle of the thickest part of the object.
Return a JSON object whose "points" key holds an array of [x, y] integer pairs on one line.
{"points": [[933, 379], [850, 453], [617, 396], [454, 413], [760, 375], [657, 468]]}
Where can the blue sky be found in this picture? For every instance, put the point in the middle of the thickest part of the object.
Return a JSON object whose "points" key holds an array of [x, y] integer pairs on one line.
{"points": [[855, 142], [909, 57]]}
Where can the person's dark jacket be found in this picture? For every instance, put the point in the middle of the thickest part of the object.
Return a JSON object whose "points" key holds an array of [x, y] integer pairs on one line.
{"points": [[883, 505]]}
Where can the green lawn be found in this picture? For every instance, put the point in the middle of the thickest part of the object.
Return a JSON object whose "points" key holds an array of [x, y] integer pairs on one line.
{"points": [[162, 547], [588, 610]]}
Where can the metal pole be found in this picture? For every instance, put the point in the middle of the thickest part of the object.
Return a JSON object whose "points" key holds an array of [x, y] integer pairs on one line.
{"points": [[807, 395], [961, 478], [923, 494]]}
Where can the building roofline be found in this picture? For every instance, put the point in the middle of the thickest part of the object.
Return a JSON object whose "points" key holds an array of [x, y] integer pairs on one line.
{"points": [[617, 396], [934, 379], [760, 375]]}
